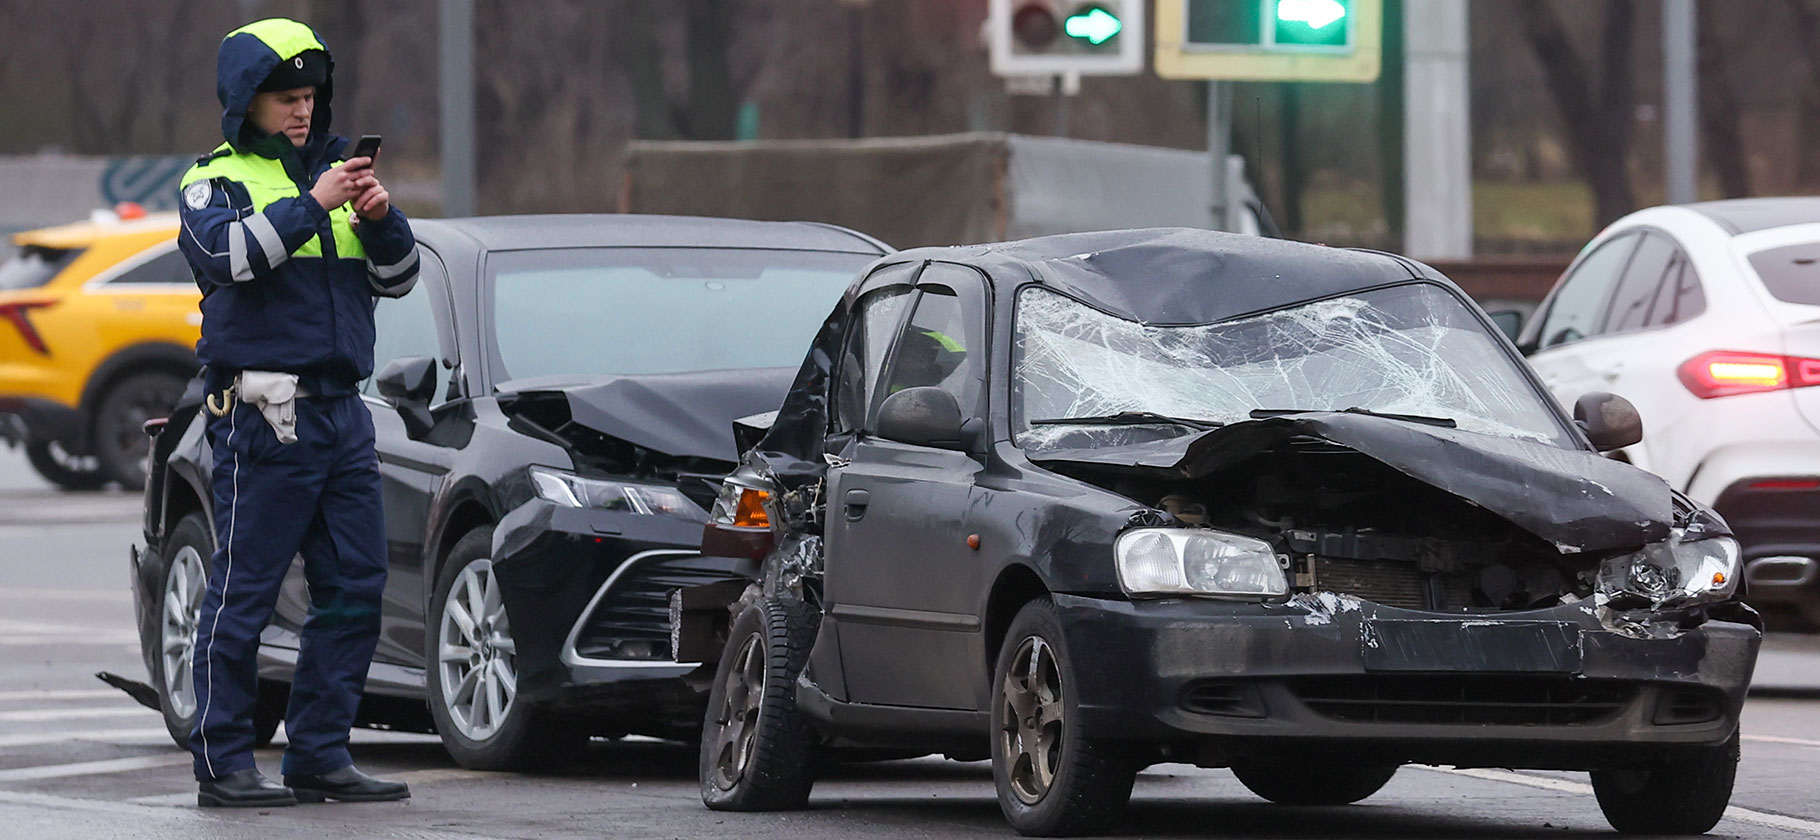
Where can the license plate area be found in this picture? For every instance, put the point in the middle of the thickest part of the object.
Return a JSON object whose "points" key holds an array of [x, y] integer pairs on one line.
{"points": [[1478, 646]]}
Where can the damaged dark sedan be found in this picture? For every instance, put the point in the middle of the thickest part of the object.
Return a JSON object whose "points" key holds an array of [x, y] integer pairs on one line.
{"points": [[1088, 503], [553, 417]]}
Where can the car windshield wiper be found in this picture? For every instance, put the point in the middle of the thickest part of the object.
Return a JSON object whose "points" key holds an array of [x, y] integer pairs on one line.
{"points": [[1130, 418], [1444, 422]]}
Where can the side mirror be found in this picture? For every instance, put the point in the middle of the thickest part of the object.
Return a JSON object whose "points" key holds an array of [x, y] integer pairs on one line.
{"points": [[1509, 321], [408, 383], [926, 416], [1610, 421]]}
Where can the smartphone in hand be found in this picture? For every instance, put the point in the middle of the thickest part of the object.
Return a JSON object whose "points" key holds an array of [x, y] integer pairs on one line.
{"points": [[366, 147]]}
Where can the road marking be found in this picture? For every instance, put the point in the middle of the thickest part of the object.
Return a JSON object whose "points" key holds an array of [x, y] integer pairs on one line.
{"points": [[1778, 739], [64, 694], [110, 736], [124, 642], [1734, 812], [40, 715], [91, 768]]}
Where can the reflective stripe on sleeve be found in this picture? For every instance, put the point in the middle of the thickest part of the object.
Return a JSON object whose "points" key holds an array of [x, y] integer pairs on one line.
{"points": [[261, 228], [238, 264], [387, 272]]}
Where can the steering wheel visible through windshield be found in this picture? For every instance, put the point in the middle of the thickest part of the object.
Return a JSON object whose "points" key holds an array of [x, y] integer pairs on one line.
{"points": [[1407, 350]]}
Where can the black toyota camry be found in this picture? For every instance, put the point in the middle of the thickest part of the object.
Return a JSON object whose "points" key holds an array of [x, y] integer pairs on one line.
{"points": [[554, 409]]}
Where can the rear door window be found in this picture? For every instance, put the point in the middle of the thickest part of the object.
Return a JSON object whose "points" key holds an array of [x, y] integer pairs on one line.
{"points": [[1681, 296], [1576, 311], [34, 266], [1791, 273], [1633, 303]]}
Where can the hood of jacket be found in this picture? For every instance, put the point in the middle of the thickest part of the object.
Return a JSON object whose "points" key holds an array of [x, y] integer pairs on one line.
{"points": [[247, 56]]}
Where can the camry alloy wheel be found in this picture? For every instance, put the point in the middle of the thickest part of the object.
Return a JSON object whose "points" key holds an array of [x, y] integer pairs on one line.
{"points": [[476, 654], [184, 584], [743, 693], [1032, 737]]}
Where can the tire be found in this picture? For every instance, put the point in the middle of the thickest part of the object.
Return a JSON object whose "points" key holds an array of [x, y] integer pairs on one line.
{"points": [[118, 426], [182, 570], [757, 752], [481, 721], [1686, 794], [1302, 785], [1067, 783], [67, 471]]}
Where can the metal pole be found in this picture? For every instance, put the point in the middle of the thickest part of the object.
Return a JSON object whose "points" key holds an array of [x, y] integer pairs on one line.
{"points": [[1219, 146], [1680, 100], [1437, 145], [1061, 105], [456, 24]]}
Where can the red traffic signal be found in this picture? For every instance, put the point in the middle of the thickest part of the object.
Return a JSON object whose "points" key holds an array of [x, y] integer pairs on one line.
{"points": [[1035, 25]]}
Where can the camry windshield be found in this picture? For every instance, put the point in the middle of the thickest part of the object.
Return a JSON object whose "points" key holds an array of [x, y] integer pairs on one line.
{"points": [[1087, 379], [661, 310]]}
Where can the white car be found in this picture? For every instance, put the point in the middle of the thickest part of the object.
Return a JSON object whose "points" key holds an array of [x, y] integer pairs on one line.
{"points": [[1707, 318]]}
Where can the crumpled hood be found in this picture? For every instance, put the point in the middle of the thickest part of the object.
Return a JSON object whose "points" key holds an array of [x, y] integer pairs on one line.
{"points": [[247, 56], [1578, 500], [684, 415]]}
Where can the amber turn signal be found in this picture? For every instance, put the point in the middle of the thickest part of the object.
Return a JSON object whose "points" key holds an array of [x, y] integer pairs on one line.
{"points": [[751, 510]]}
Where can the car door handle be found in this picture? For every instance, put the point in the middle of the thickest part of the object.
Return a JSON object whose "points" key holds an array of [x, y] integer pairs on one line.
{"points": [[1612, 373], [856, 504]]}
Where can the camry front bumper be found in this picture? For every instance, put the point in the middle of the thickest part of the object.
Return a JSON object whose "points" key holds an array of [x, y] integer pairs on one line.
{"points": [[1553, 688], [588, 594]]}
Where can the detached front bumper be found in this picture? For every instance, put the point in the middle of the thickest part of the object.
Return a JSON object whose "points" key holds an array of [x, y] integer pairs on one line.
{"points": [[588, 592], [1547, 689]]}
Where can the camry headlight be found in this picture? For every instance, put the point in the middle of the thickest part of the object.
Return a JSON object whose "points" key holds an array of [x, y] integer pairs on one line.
{"points": [[571, 490], [1673, 573], [1179, 561]]}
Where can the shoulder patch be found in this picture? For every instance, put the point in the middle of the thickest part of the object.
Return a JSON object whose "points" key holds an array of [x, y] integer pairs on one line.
{"points": [[197, 195], [203, 159]]}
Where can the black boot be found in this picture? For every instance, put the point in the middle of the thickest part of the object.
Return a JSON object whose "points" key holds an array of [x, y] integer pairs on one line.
{"points": [[347, 785], [243, 789]]}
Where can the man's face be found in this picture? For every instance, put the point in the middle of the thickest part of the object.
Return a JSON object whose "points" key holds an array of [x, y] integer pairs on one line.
{"points": [[284, 110]]}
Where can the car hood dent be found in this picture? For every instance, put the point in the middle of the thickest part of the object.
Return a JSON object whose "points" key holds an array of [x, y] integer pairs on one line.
{"points": [[1577, 500], [684, 415]]}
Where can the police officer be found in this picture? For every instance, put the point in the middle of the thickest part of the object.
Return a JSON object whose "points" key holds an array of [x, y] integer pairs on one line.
{"points": [[290, 246]]}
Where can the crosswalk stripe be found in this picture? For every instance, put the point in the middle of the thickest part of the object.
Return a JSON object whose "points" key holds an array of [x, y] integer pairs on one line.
{"points": [[41, 715], [90, 768], [28, 594], [1780, 739], [1734, 812], [64, 694], [112, 736]]}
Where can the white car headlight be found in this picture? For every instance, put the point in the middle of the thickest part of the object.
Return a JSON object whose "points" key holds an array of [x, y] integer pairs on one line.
{"points": [[571, 490], [1674, 572], [1180, 561]]}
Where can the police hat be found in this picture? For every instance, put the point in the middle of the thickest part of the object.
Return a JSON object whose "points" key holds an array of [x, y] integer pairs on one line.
{"points": [[309, 68]]}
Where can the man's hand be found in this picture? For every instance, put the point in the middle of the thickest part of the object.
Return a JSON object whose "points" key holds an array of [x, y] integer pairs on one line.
{"points": [[343, 183], [374, 203]]}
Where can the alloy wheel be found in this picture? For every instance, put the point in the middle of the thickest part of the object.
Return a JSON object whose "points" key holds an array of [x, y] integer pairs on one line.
{"points": [[476, 654], [1032, 737], [743, 693], [184, 584]]}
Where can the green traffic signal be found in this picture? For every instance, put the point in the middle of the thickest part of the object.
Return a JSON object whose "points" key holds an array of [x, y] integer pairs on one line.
{"points": [[1092, 24], [1314, 23]]}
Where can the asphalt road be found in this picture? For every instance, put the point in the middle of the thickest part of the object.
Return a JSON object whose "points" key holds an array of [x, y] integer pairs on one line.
{"points": [[81, 760]]}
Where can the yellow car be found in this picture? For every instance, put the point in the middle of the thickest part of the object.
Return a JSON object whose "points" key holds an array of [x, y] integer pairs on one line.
{"points": [[98, 330]]}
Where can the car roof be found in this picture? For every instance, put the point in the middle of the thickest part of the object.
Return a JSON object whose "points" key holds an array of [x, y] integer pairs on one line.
{"points": [[1182, 275], [609, 230], [1745, 215], [85, 233]]}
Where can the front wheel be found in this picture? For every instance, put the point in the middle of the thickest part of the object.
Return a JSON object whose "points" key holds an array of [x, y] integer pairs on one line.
{"points": [[1053, 778], [68, 472], [473, 673], [1301, 784], [756, 753], [1685, 795]]}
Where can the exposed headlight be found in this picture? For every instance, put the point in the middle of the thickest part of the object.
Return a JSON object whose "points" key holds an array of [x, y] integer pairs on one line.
{"points": [[571, 490], [1672, 573], [1179, 561]]}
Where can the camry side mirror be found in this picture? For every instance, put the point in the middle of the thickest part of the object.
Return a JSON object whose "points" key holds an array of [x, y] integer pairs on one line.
{"points": [[408, 383], [1509, 322], [926, 416], [1608, 420]]}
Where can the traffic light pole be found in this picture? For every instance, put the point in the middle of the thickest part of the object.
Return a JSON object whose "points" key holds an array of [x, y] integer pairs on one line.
{"points": [[1437, 136], [1680, 100]]}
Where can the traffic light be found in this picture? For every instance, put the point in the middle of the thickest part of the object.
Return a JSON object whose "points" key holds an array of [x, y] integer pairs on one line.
{"points": [[1053, 37], [1270, 40]]}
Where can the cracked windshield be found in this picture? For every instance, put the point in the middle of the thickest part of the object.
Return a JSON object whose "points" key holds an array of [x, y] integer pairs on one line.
{"points": [[1407, 350]]}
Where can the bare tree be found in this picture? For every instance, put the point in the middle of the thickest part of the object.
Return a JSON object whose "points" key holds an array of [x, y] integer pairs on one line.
{"points": [[1597, 117], [1721, 116]]}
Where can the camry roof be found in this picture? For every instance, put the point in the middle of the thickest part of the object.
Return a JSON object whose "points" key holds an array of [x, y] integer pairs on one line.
{"points": [[1183, 275], [608, 230], [1744, 215]]}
